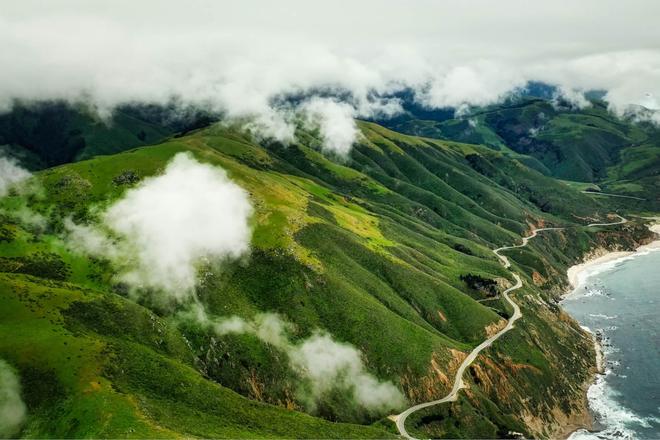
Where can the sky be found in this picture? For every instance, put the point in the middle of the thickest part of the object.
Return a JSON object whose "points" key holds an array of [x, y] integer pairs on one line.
{"points": [[236, 56]]}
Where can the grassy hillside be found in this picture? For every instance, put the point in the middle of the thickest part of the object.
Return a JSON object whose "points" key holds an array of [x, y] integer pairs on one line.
{"points": [[388, 250], [585, 145]]}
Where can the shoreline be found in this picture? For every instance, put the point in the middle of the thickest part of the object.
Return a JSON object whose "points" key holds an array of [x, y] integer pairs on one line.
{"points": [[577, 275]]}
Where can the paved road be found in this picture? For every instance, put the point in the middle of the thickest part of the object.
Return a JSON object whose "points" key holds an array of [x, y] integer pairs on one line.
{"points": [[620, 222], [517, 314], [458, 383], [598, 193]]}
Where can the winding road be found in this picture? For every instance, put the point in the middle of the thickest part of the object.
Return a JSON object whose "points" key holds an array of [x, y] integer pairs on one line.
{"points": [[517, 314]]}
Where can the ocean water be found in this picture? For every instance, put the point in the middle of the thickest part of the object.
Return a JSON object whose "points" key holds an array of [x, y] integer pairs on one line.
{"points": [[620, 300]]}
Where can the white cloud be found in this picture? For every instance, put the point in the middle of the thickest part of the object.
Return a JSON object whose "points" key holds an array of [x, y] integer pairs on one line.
{"points": [[11, 174], [322, 363], [238, 57], [480, 84], [330, 364], [12, 409], [575, 99], [335, 121], [168, 225]]}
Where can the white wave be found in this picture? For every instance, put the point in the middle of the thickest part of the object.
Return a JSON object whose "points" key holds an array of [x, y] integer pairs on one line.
{"points": [[602, 316], [585, 292], [618, 422]]}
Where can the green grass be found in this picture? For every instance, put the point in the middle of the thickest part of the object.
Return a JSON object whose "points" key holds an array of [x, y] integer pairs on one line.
{"points": [[590, 145], [370, 249]]}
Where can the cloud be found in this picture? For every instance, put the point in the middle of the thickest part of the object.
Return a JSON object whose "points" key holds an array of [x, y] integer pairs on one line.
{"points": [[574, 99], [12, 409], [11, 174], [335, 121], [237, 58], [159, 232], [322, 363], [329, 365], [15, 177], [480, 84]]}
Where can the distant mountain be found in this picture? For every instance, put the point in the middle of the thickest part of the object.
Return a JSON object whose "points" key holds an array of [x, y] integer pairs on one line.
{"points": [[590, 144]]}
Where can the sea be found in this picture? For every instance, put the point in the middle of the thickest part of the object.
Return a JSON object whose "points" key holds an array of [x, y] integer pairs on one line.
{"points": [[620, 301]]}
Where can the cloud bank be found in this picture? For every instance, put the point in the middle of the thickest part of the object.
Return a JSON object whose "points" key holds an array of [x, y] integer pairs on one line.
{"points": [[322, 363], [160, 232], [238, 58], [12, 409]]}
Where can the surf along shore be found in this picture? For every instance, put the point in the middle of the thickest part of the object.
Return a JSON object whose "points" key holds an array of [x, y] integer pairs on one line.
{"points": [[577, 276]]}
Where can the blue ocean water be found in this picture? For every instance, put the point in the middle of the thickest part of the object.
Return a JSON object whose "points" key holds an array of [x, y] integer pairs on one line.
{"points": [[620, 300]]}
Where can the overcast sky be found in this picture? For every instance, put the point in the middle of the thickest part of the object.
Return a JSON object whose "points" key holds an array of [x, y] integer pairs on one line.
{"points": [[236, 55]]}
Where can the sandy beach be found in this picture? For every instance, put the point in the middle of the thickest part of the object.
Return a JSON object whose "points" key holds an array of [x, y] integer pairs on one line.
{"points": [[578, 273]]}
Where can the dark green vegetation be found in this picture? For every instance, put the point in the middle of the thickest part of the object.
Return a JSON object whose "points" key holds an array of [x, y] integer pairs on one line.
{"points": [[584, 145], [389, 250], [45, 134]]}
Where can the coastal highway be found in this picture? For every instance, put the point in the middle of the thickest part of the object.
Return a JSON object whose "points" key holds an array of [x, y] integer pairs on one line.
{"points": [[517, 314], [458, 382], [620, 222], [598, 193]]}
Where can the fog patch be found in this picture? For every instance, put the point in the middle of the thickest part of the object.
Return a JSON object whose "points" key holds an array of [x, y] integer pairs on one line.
{"points": [[335, 122], [642, 114], [12, 408], [572, 98], [464, 86], [14, 179], [11, 174], [321, 363], [160, 232]]}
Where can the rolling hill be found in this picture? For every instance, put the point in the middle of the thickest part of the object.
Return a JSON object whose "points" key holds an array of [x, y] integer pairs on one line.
{"points": [[388, 250], [588, 144]]}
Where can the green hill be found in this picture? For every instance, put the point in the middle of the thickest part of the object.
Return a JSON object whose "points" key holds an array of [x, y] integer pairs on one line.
{"points": [[388, 250], [585, 145]]}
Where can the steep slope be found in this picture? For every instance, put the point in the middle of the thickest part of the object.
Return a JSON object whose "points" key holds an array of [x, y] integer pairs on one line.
{"points": [[587, 145], [389, 251]]}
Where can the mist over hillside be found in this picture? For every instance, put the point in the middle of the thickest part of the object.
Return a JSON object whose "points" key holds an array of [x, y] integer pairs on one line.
{"points": [[303, 220]]}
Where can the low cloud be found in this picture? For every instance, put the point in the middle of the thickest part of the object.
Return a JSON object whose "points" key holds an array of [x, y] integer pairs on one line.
{"points": [[329, 364], [477, 84], [160, 232], [12, 409], [572, 98], [322, 363], [11, 174], [335, 122], [13, 177]]}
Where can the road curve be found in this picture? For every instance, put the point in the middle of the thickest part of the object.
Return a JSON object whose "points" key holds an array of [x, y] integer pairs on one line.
{"points": [[458, 383], [620, 222], [517, 314]]}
